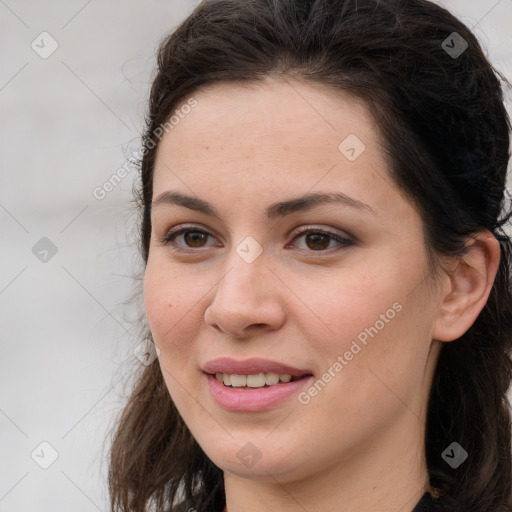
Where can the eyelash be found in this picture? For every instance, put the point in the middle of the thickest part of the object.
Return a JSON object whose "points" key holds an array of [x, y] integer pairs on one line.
{"points": [[168, 239]]}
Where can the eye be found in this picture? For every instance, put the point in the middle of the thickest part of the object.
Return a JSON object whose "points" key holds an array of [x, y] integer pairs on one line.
{"points": [[317, 240], [191, 235]]}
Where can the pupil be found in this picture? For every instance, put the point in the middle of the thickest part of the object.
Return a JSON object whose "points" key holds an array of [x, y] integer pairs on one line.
{"points": [[315, 237], [195, 235]]}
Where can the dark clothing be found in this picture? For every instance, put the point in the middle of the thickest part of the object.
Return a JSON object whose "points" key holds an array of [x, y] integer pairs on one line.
{"points": [[429, 504]]}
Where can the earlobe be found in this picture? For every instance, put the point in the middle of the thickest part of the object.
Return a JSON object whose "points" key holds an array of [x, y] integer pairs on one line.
{"points": [[467, 287]]}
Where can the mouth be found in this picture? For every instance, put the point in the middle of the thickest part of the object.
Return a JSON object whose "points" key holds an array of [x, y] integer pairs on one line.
{"points": [[253, 385], [253, 373]]}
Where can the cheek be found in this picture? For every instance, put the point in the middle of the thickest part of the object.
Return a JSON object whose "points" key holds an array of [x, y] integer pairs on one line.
{"points": [[378, 357], [344, 307], [371, 319], [171, 321], [159, 306], [172, 312]]}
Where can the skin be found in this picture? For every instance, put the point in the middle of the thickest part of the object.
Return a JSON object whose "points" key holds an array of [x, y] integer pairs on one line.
{"points": [[359, 441]]}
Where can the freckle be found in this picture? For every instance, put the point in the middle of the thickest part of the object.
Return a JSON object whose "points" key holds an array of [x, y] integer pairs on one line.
{"points": [[207, 147]]}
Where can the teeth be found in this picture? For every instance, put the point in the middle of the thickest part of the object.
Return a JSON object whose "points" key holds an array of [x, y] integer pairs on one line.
{"points": [[238, 381], [271, 378], [257, 380]]}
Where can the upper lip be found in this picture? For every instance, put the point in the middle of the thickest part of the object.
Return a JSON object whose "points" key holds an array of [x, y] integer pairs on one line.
{"points": [[251, 366]]}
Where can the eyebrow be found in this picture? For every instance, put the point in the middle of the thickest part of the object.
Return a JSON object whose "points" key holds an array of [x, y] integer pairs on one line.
{"points": [[273, 211]]}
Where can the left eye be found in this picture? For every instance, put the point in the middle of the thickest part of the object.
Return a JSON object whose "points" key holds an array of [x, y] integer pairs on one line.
{"points": [[316, 240]]}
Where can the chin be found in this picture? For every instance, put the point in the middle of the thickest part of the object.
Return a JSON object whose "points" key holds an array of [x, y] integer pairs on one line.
{"points": [[261, 459]]}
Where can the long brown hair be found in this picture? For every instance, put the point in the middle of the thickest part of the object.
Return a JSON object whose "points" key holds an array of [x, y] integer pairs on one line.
{"points": [[445, 131]]}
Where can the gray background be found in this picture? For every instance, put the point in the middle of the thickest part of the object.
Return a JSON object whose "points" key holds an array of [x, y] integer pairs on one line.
{"points": [[68, 122]]}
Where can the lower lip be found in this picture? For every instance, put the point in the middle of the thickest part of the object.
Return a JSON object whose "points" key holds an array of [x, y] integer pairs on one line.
{"points": [[257, 399]]}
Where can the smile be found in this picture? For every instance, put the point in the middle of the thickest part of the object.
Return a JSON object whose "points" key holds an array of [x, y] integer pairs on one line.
{"points": [[256, 380], [253, 399]]}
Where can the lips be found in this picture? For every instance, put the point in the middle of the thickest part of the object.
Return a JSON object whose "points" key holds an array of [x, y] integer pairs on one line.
{"points": [[252, 366], [242, 399]]}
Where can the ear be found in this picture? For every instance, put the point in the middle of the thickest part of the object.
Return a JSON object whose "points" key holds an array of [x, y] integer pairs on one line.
{"points": [[467, 286]]}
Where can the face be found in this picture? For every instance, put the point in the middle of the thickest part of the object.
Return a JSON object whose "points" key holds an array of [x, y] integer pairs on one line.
{"points": [[332, 292]]}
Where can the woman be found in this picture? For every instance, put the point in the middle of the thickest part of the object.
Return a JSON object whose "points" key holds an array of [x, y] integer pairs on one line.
{"points": [[326, 270]]}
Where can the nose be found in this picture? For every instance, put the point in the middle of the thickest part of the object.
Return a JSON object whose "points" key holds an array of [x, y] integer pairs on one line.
{"points": [[248, 299]]}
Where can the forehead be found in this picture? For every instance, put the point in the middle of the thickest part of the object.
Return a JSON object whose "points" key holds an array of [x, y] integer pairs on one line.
{"points": [[275, 138], [239, 116]]}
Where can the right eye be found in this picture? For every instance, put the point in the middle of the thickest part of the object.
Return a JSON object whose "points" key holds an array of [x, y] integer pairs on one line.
{"points": [[192, 236]]}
